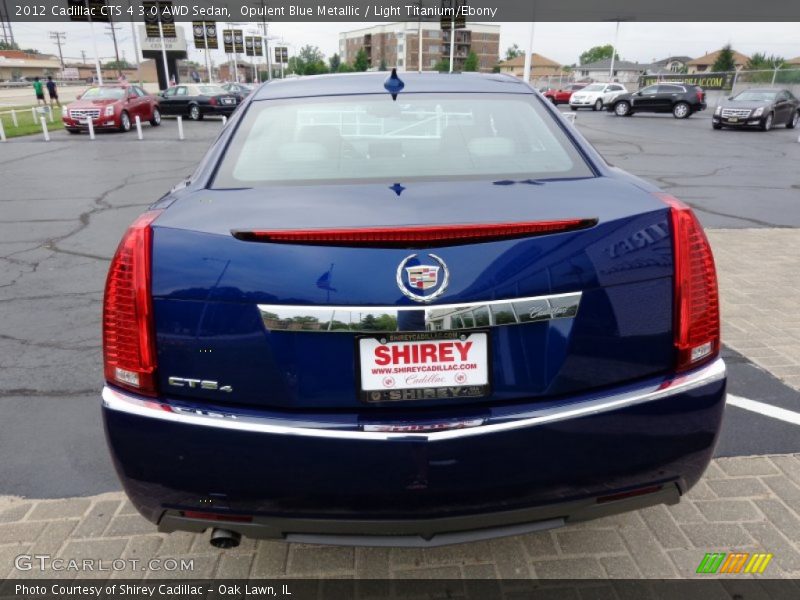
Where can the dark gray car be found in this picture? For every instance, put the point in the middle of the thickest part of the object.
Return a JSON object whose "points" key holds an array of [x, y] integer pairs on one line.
{"points": [[758, 107]]}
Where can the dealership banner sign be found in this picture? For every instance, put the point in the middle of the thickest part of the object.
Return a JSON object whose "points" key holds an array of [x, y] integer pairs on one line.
{"points": [[233, 41], [159, 11], [707, 81], [205, 35], [252, 46]]}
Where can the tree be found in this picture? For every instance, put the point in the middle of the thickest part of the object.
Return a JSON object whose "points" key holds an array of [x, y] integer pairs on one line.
{"points": [[725, 61], [334, 62], [761, 61], [8, 45], [123, 64], [513, 51], [442, 66], [361, 63], [345, 68], [309, 61], [597, 53], [471, 64]]}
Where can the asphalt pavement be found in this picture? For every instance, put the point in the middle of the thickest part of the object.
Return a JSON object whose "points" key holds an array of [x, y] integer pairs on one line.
{"points": [[66, 203]]}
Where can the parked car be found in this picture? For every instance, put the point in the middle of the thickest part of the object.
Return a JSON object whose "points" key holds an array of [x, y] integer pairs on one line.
{"points": [[240, 90], [198, 100], [759, 107], [563, 95], [596, 95], [329, 334], [113, 106], [681, 99]]}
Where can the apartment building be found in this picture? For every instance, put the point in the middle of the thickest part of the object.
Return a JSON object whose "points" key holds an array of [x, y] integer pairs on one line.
{"points": [[397, 45]]}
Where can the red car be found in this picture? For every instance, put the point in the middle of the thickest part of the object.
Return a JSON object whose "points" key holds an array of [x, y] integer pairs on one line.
{"points": [[111, 107], [563, 95]]}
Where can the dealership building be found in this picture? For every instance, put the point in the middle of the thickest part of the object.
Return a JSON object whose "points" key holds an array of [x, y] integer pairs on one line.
{"points": [[397, 45]]}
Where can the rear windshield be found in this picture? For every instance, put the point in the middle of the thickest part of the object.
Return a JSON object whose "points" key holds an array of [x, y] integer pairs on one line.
{"points": [[210, 90], [99, 93], [419, 136]]}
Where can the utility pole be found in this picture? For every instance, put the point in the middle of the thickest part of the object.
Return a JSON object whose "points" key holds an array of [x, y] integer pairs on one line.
{"points": [[59, 37], [113, 33], [83, 57], [5, 25]]}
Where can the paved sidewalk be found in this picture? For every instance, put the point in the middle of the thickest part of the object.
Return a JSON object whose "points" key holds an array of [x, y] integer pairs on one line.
{"points": [[749, 504], [759, 278]]}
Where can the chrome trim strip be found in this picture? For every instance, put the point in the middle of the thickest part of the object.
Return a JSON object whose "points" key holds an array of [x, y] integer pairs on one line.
{"points": [[439, 317], [127, 403]]}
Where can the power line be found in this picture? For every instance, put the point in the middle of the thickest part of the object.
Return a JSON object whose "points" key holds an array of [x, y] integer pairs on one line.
{"points": [[5, 25], [59, 37]]}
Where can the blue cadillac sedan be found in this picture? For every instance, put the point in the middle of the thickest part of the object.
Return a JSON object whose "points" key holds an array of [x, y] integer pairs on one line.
{"points": [[414, 310]]}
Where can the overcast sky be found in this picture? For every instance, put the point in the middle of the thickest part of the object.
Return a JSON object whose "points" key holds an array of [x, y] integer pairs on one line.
{"points": [[562, 42]]}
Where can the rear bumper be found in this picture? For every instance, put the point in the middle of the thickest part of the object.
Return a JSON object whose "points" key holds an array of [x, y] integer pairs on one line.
{"points": [[524, 468], [226, 110]]}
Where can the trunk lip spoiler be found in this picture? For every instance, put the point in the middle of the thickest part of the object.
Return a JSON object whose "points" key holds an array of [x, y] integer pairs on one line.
{"points": [[714, 371], [530, 309], [414, 236]]}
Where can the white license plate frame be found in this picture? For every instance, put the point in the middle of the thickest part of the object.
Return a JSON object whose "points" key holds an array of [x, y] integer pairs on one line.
{"points": [[445, 365]]}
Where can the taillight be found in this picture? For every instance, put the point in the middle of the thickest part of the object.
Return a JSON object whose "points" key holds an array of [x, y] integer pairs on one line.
{"points": [[696, 296], [129, 352], [427, 236], [700, 95], [213, 101]]}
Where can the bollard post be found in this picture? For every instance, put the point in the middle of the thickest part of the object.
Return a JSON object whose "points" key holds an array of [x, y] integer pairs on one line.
{"points": [[14, 117], [33, 113], [44, 129], [50, 110], [138, 127], [2, 132], [224, 120], [180, 127], [91, 128]]}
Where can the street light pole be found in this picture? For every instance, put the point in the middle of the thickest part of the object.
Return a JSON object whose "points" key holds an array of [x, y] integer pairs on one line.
{"points": [[613, 54], [96, 56], [526, 76]]}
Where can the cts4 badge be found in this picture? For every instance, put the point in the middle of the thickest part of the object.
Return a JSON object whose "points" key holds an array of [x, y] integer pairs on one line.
{"points": [[422, 279], [203, 384]]}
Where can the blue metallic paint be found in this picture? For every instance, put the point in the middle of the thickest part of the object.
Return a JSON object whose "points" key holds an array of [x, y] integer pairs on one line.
{"points": [[207, 324], [171, 465]]}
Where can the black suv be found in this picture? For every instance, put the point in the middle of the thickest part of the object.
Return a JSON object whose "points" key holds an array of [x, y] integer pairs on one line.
{"points": [[680, 99]]}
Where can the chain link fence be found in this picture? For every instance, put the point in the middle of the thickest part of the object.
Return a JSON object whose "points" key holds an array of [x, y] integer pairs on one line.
{"points": [[717, 85]]}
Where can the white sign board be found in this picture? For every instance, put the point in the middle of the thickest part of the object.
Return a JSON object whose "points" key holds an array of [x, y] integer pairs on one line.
{"points": [[153, 44]]}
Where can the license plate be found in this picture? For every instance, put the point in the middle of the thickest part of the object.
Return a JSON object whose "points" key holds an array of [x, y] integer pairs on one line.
{"points": [[733, 120], [228, 101], [83, 121], [423, 366]]}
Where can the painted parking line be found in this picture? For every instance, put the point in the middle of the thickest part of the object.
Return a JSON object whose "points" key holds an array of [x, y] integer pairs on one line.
{"points": [[768, 410]]}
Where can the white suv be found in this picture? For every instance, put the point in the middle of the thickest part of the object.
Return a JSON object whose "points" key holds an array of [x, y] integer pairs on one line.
{"points": [[594, 96]]}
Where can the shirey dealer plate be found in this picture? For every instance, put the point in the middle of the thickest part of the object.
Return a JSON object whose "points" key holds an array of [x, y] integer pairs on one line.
{"points": [[423, 365]]}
